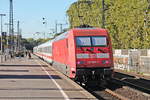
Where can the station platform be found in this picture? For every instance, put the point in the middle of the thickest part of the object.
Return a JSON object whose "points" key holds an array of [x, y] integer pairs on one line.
{"points": [[33, 79]]}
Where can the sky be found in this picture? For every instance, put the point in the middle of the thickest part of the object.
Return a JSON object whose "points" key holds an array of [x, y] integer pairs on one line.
{"points": [[30, 13]]}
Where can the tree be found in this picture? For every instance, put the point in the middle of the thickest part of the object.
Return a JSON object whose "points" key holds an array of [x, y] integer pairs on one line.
{"points": [[128, 21]]}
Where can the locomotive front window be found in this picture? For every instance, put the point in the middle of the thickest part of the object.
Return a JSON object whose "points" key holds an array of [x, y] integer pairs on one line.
{"points": [[89, 41], [99, 41], [83, 41]]}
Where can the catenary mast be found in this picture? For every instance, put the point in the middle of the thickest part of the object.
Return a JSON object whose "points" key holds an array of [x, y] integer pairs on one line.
{"points": [[11, 27]]}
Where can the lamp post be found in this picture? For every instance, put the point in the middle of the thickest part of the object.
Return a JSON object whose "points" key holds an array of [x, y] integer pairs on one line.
{"points": [[7, 39], [2, 31], [2, 34], [7, 27], [56, 26]]}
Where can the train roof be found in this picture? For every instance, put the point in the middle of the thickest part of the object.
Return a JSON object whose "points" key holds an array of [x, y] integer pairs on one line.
{"points": [[65, 34], [48, 43], [62, 36], [87, 27], [91, 29]]}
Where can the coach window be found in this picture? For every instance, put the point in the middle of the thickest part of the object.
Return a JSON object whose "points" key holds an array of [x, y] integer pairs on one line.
{"points": [[46, 49], [49, 51]]}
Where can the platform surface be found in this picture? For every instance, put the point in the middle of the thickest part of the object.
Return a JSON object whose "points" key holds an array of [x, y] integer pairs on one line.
{"points": [[33, 79]]}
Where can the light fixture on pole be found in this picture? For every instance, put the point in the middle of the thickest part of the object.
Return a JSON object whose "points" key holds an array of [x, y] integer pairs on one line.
{"points": [[45, 24]]}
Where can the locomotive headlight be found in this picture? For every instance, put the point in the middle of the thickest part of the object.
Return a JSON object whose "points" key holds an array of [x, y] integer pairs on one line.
{"points": [[105, 61], [80, 62], [73, 69]]}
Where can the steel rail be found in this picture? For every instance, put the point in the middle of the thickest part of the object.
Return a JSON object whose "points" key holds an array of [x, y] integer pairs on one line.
{"points": [[140, 88], [120, 97]]}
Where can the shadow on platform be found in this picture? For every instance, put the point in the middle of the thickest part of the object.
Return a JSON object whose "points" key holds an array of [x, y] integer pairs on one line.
{"points": [[3, 65], [28, 77], [14, 70], [39, 89], [43, 98]]}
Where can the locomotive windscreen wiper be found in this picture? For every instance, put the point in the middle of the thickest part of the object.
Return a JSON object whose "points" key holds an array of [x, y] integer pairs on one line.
{"points": [[90, 50], [101, 50]]}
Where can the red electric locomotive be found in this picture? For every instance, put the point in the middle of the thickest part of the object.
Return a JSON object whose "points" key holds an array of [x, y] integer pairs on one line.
{"points": [[83, 54]]}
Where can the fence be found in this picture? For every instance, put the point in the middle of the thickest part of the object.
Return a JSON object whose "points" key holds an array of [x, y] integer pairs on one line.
{"points": [[136, 60]]}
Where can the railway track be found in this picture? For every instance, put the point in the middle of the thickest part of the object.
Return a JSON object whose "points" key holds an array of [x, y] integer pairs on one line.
{"points": [[117, 92], [102, 93], [133, 82], [108, 94]]}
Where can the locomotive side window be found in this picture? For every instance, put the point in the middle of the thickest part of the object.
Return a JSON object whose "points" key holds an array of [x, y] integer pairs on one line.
{"points": [[99, 41], [83, 41]]}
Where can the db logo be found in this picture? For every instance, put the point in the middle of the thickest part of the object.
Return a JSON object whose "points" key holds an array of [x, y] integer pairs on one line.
{"points": [[92, 55]]}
